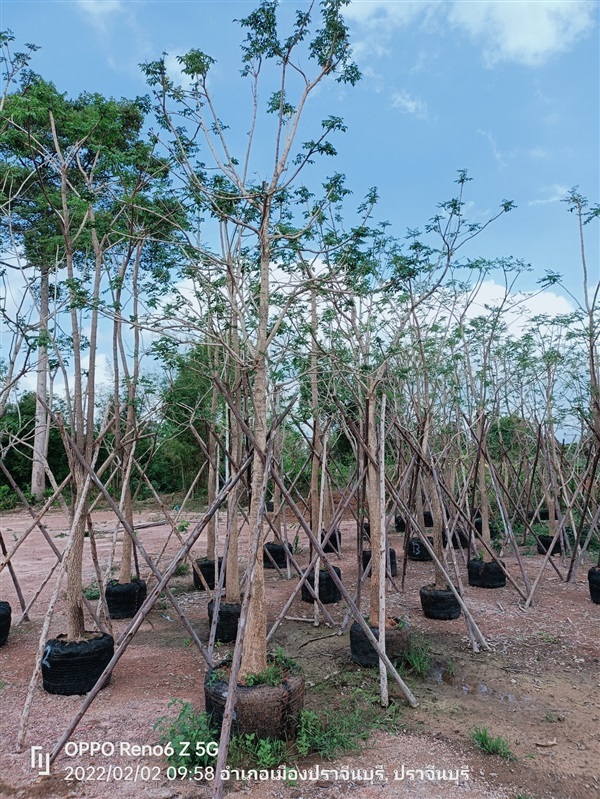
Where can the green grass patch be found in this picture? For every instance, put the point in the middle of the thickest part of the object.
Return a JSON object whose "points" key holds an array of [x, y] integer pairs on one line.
{"points": [[490, 745]]}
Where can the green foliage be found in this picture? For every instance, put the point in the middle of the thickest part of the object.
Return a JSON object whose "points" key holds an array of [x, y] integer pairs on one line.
{"points": [[92, 591], [272, 675], [189, 726], [417, 658], [182, 570], [492, 746], [250, 750], [8, 498], [331, 734]]}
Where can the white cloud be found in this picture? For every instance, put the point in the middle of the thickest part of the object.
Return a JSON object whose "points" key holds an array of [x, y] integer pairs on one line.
{"points": [[499, 157], [554, 194], [409, 105], [527, 32], [372, 13], [539, 153], [98, 11]]}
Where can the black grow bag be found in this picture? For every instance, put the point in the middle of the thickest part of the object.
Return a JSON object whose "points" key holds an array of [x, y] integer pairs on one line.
{"points": [[594, 583], [400, 524], [485, 575], [227, 622], [277, 552], [474, 572], [460, 539], [492, 575], [5, 619], [73, 667], [207, 569], [366, 559], [125, 599], [334, 543], [416, 549], [544, 514], [545, 542], [328, 590], [269, 711], [427, 519], [439, 603], [364, 653]]}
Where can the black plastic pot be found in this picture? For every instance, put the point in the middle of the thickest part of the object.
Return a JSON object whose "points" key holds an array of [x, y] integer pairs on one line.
{"points": [[544, 514], [277, 552], [142, 593], [328, 590], [227, 622], [417, 550], [5, 619], [269, 506], [474, 572], [485, 575], [492, 575], [334, 544], [73, 667], [399, 524], [460, 539], [364, 653], [269, 711], [427, 519], [594, 584], [125, 599], [366, 530], [439, 603], [207, 569], [366, 559], [545, 542]]}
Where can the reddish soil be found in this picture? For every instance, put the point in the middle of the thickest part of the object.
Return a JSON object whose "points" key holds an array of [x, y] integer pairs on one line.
{"points": [[537, 687]]}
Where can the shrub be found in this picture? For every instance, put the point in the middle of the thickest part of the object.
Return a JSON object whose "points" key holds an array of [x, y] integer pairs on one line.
{"points": [[8, 498]]}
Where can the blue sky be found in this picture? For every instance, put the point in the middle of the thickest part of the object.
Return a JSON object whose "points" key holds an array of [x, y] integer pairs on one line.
{"points": [[508, 90]]}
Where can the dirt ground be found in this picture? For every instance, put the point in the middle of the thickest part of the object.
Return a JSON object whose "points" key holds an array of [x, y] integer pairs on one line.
{"points": [[537, 687]]}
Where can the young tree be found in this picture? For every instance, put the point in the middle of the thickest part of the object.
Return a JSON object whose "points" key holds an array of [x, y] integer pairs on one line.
{"points": [[258, 209]]}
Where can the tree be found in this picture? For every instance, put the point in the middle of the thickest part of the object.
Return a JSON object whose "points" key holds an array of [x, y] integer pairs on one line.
{"points": [[258, 211]]}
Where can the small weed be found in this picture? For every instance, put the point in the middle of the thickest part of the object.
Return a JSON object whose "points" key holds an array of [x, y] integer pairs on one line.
{"points": [[187, 641], [60, 535], [451, 668], [417, 658], [547, 638], [275, 673], [551, 716], [248, 749], [192, 727], [183, 526], [492, 746], [183, 569], [272, 675], [2, 684], [92, 591], [332, 733]]}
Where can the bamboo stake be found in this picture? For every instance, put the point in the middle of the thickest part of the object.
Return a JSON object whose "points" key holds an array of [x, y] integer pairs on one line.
{"points": [[383, 681]]}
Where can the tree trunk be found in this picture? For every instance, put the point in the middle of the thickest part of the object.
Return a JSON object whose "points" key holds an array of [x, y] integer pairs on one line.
{"points": [[374, 504], [40, 441], [254, 650]]}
